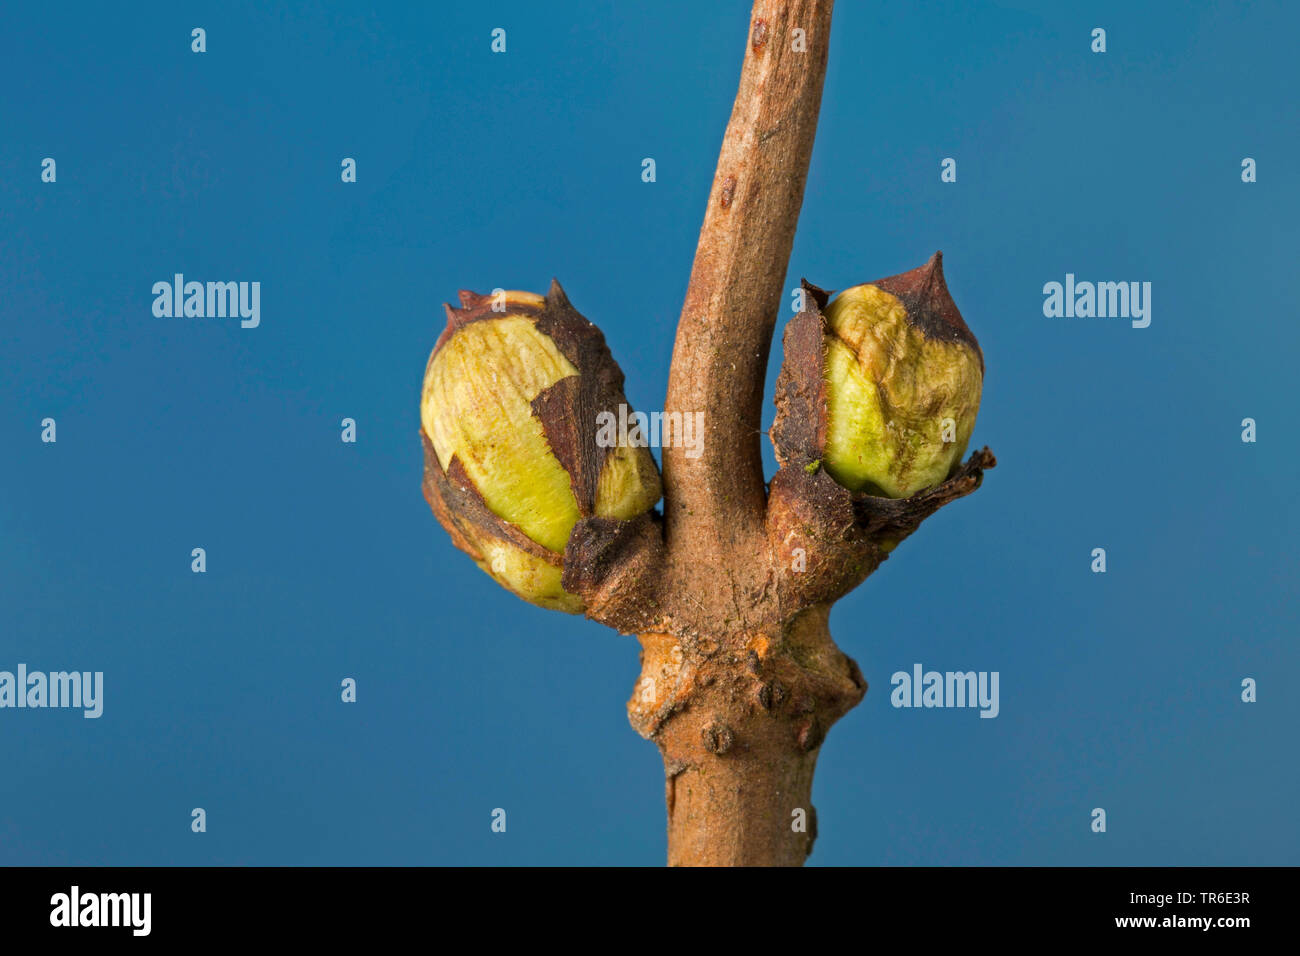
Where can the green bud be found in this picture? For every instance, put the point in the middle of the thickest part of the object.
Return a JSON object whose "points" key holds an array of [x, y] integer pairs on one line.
{"points": [[903, 379], [508, 408]]}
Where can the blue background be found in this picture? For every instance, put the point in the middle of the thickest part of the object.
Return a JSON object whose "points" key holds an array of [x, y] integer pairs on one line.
{"points": [[478, 170]]}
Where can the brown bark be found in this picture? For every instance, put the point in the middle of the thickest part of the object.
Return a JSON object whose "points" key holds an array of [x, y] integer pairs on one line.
{"points": [[740, 721]]}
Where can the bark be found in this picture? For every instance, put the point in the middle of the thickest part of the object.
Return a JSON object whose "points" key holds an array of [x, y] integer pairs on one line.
{"points": [[740, 722]]}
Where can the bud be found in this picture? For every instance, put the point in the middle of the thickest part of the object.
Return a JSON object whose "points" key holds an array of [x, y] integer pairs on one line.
{"points": [[903, 378], [509, 407]]}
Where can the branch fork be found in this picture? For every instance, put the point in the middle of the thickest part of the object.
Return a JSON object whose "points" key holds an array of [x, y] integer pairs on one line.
{"points": [[730, 590], [740, 678]]}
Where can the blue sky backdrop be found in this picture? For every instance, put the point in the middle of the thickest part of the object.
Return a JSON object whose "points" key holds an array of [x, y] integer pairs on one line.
{"points": [[1118, 690]]}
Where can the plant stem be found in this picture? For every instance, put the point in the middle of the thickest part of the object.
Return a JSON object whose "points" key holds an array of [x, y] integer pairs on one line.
{"points": [[716, 501], [738, 699], [740, 723]]}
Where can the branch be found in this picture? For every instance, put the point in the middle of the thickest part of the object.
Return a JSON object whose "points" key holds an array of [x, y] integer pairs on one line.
{"points": [[827, 540], [714, 504]]}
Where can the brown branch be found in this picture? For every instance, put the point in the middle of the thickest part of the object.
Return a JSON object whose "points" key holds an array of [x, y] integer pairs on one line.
{"points": [[738, 697], [715, 502], [740, 725]]}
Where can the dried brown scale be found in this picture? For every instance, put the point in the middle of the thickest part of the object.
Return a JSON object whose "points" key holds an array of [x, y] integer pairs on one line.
{"points": [[614, 565], [799, 430], [925, 295], [462, 511], [569, 416], [842, 533]]}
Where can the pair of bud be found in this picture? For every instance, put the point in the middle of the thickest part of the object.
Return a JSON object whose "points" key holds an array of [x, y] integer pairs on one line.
{"points": [[515, 384]]}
